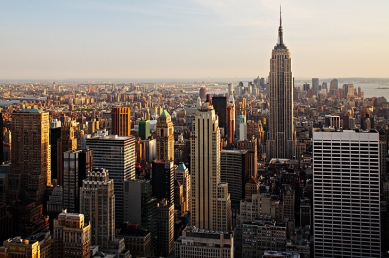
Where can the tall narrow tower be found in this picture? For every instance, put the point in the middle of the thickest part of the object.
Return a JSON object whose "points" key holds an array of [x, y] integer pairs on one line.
{"points": [[165, 137], [67, 142], [121, 121], [230, 116], [210, 204], [281, 143]]}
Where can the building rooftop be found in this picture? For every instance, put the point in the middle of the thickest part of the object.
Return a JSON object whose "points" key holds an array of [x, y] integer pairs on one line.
{"points": [[268, 253], [30, 110], [181, 166], [165, 113], [234, 151]]}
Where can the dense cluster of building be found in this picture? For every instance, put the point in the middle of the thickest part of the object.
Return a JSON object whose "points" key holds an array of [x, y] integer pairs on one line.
{"points": [[259, 169]]}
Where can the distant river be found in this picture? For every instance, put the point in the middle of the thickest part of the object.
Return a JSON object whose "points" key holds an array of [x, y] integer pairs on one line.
{"points": [[372, 89], [8, 102]]}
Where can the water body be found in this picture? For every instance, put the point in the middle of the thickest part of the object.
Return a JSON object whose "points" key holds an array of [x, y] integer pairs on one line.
{"points": [[8, 102]]}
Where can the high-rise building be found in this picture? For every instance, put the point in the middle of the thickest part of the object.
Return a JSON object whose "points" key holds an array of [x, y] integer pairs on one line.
{"points": [[210, 204], [70, 178], [67, 142], [85, 164], [162, 179], [55, 135], [165, 137], [252, 150], [140, 207], [5, 221], [30, 173], [121, 121], [182, 175], [203, 92], [281, 141], [144, 129], [220, 105], [346, 194], [97, 203], [315, 84], [165, 222], [117, 155], [234, 170], [230, 119], [334, 84], [55, 204], [71, 236], [1, 142], [242, 128]]}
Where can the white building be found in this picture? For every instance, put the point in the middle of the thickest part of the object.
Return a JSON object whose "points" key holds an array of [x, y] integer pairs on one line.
{"points": [[210, 204], [97, 203], [346, 190], [196, 242]]}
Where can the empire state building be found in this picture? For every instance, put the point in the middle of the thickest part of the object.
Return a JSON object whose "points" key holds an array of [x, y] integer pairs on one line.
{"points": [[281, 138]]}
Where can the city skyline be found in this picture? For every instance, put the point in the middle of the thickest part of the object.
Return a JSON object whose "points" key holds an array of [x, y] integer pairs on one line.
{"points": [[189, 39]]}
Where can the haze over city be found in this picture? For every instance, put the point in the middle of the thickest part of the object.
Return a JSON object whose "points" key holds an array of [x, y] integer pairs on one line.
{"points": [[189, 39]]}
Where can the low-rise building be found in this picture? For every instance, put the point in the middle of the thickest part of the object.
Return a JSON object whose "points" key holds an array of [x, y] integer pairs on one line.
{"points": [[196, 242]]}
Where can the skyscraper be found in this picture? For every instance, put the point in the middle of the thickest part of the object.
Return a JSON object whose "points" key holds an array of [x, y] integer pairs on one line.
{"points": [[315, 84], [210, 204], [165, 137], [144, 129], [346, 194], [30, 173], [67, 142], [183, 176], [230, 116], [234, 170], [220, 105], [334, 84], [140, 207], [165, 222], [281, 141], [117, 155], [97, 203], [162, 180], [121, 121], [70, 178], [242, 128]]}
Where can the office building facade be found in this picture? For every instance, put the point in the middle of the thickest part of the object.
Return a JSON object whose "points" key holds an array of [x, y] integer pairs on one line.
{"points": [[71, 236], [196, 242], [97, 203], [162, 180], [117, 155], [121, 121], [30, 172], [346, 194], [165, 137]]}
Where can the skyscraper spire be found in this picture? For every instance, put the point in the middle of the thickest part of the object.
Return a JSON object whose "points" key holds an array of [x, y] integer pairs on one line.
{"points": [[280, 17], [280, 32]]}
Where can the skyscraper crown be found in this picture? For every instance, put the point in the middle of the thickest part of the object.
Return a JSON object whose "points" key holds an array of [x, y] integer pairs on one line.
{"points": [[280, 44]]}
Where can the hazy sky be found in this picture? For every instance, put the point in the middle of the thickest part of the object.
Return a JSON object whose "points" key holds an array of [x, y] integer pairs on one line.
{"points": [[65, 39]]}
